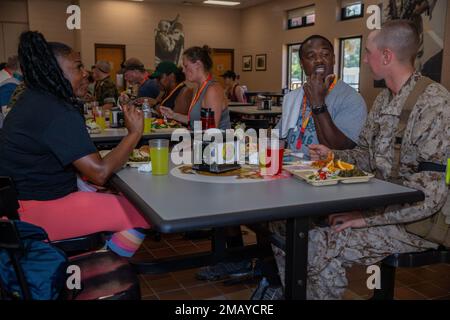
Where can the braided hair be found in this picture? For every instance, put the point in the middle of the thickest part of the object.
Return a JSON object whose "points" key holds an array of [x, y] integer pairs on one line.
{"points": [[40, 68]]}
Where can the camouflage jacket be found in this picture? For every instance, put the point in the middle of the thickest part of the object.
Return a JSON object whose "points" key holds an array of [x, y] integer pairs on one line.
{"points": [[426, 138], [105, 91]]}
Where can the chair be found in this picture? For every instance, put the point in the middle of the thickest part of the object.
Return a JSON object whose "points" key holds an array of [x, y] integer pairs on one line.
{"points": [[104, 275], [9, 206], [406, 260], [256, 123]]}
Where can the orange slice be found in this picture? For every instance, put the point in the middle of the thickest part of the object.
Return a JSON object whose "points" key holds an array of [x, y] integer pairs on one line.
{"points": [[344, 165]]}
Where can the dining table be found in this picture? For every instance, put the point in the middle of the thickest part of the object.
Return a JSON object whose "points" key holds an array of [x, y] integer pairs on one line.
{"points": [[255, 111], [110, 137], [175, 205]]}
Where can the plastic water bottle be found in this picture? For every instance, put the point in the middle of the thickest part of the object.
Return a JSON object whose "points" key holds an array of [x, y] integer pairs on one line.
{"points": [[145, 106], [147, 116]]}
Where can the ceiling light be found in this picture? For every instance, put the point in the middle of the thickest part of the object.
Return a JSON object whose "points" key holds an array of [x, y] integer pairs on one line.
{"points": [[222, 3]]}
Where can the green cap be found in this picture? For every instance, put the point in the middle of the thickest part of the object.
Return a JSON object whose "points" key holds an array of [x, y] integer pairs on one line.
{"points": [[165, 67]]}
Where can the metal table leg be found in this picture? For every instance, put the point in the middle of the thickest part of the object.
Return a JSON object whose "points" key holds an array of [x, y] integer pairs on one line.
{"points": [[296, 258]]}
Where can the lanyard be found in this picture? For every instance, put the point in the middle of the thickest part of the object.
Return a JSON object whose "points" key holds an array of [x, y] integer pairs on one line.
{"points": [[171, 94], [8, 72], [197, 96], [305, 120]]}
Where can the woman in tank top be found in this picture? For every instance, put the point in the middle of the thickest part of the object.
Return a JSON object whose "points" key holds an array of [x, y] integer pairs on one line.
{"points": [[197, 64], [233, 91]]}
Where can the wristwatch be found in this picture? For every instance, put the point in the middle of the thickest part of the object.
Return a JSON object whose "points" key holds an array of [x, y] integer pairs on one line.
{"points": [[319, 110]]}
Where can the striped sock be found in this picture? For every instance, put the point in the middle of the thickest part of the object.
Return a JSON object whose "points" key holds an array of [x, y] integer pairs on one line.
{"points": [[125, 243]]}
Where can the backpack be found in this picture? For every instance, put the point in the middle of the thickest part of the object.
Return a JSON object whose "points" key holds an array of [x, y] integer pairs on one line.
{"points": [[44, 266]]}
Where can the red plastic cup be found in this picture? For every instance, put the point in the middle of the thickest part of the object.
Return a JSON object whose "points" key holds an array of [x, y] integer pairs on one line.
{"points": [[271, 159]]}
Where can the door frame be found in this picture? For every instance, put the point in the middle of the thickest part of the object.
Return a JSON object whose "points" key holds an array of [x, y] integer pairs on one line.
{"points": [[110, 46], [219, 50]]}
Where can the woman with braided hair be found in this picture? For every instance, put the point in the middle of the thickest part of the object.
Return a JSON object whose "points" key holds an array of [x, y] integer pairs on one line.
{"points": [[45, 145]]}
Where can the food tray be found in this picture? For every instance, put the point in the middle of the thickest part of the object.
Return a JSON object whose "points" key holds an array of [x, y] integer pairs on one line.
{"points": [[303, 175]]}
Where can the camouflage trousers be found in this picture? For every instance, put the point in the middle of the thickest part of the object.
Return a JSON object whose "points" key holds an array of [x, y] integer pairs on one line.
{"points": [[330, 253]]}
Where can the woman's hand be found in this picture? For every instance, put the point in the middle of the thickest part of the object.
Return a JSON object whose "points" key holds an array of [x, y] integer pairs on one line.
{"points": [[134, 119], [318, 152], [341, 221], [167, 112]]}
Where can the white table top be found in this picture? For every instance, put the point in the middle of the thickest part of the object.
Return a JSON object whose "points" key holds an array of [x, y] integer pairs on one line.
{"points": [[253, 110]]}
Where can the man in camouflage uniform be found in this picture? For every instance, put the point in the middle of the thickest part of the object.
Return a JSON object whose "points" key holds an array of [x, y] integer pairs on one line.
{"points": [[368, 237], [105, 92]]}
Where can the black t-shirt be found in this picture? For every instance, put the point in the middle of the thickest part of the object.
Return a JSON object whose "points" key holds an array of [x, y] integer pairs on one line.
{"points": [[42, 136]]}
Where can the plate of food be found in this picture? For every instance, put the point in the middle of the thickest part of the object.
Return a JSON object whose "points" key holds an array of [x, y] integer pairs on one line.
{"points": [[330, 172], [139, 156], [93, 127], [160, 125]]}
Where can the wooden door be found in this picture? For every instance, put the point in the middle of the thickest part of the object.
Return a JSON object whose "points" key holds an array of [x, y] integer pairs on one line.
{"points": [[113, 53], [223, 60]]}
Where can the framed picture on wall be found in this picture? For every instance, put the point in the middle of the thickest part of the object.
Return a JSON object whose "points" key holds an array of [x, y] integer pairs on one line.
{"points": [[247, 63], [261, 62]]}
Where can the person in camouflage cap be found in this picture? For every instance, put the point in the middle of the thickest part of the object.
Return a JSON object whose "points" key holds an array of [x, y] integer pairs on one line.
{"points": [[105, 91], [368, 237]]}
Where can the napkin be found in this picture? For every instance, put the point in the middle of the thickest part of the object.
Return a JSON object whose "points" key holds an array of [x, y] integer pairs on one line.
{"points": [[145, 167]]}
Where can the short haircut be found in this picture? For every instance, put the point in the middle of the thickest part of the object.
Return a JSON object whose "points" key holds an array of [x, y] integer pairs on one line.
{"points": [[400, 36], [314, 37]]}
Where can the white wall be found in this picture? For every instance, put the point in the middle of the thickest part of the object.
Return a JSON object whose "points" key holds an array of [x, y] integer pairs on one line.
{"points": [[49, 17], [133, 24], [13, 21], [264, 31]]}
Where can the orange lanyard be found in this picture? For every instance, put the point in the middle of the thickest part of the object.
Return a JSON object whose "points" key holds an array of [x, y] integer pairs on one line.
{"points": [[171, 94], [197, 96], [8, 71], [305, 120]]}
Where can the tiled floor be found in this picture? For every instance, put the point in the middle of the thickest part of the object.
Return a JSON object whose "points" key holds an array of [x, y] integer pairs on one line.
{"points": [[432, 282]]}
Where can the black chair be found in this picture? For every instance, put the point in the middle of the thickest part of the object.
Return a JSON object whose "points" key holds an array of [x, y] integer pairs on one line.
{"points": [[256, 123], [406, 260], [104, 275], [9, 206]]}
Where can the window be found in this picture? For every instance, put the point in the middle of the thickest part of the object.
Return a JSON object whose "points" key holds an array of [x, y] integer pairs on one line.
{"points": [[296, 76], [351, 9], [350, 61], [301, 17]]}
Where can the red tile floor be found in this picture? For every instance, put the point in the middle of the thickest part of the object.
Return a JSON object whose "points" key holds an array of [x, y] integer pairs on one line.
{"points": [[431, 282]]}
